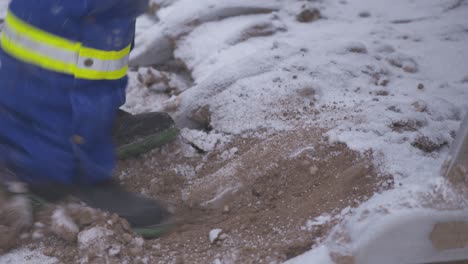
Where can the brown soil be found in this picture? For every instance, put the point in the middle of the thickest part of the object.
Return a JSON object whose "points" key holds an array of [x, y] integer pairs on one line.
{"points": [[276, 185]]}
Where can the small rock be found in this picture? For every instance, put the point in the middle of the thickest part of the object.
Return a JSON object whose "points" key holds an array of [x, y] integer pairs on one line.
{"points": [[139, 242], [382, 93], [202, 116], [393, 108], [256, 192], [136, 251], [308, 15], [406, 125], [114, 250], [420, 86], [426, 144], [127, 238], [95, 239], [84, 216], [406, 63], [223, 237], [226, 209], [384, 82], [313, 170], [214, 235], [36, 235]]}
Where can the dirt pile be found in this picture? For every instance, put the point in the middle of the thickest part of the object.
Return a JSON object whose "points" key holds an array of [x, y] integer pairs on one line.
{"points": [[276, 213]]}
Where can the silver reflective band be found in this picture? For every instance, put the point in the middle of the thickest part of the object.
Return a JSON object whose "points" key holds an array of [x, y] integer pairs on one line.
{"points": [[40, 48]]}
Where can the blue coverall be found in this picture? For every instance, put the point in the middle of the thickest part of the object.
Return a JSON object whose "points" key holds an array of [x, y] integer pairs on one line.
{"points": [[56, 127]]}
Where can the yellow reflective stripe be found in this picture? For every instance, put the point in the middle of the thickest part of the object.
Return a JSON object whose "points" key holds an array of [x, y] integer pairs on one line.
{"points": [[24, 54], [99, 75], [39, 35], [33, 45], [104, 55]]}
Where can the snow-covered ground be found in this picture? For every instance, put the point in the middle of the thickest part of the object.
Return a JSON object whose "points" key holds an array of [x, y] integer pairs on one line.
{"points": [[386, 77]]}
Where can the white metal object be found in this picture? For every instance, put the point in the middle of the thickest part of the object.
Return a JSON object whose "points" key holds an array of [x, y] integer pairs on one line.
{"points": [[455, 168]]}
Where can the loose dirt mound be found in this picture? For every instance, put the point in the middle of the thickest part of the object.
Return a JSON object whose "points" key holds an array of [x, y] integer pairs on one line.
{"points": [[264, 196], [276, 187]]}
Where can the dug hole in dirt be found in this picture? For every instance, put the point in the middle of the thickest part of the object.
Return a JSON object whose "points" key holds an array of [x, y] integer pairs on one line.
{"points": [[267, 191]]}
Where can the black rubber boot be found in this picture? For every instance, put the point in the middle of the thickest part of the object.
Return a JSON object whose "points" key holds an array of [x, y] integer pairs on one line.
{"points": [[137, 134], [139, 211]]}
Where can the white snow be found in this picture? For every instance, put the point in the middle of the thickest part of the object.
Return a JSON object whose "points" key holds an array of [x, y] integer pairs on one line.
{"points": [[27, 256], [204, 141], [317, 255], [3, 8], [318, 221]]}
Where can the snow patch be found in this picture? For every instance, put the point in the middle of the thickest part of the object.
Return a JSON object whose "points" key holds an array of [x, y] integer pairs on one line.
{"points": [[27, 256], [205, 141], [318, 221]]}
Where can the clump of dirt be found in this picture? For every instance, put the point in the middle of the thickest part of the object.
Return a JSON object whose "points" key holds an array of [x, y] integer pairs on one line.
{"points": [[308, 15], [15, 217], [162, 82], [75, 233], [394, 108], [364, 14], [382, 93], [202, 116], [427, 144], [357, 47], [379, 75], [406, 125], [404, 62]]}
